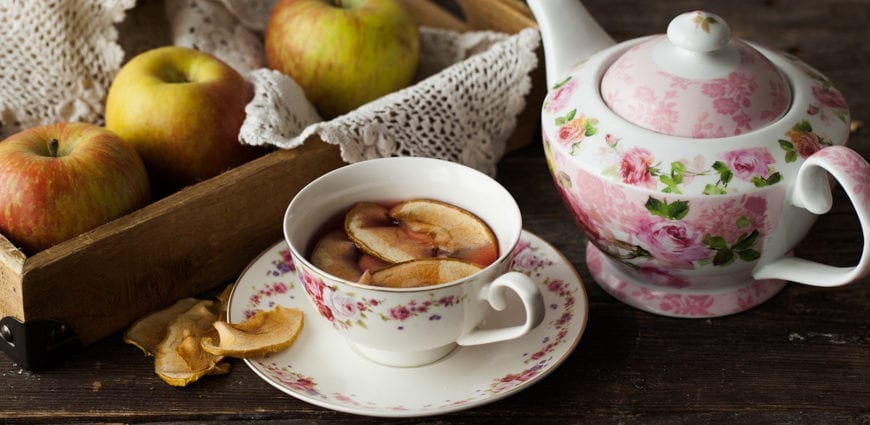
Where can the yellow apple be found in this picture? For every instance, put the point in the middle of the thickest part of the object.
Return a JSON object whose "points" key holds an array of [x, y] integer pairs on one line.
{"points": [[181, 109], [343, 53]]}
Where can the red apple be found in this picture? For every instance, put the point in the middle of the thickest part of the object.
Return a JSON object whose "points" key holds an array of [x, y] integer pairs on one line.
{"points": [[343, 53], [58, 181], [182, 110]]}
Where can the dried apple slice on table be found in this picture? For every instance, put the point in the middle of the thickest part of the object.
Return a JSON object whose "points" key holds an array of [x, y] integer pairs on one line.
{"points": [[263, 333], [178, 336], [455, 231], [147, 332], [428, 271], [179, 359]]}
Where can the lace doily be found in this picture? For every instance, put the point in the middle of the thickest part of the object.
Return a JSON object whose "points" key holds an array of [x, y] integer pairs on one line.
{"points": [[463, 107], [209, 26], [464, 113], [58, 58]]}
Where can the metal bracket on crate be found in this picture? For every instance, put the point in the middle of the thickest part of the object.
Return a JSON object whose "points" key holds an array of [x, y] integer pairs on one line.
{"points": [[35, 343]]}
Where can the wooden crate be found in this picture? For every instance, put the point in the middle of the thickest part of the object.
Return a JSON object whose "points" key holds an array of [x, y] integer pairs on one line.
{"points": [[91, 286]]}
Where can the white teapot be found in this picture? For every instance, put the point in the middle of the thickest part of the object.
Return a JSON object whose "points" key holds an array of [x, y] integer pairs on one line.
{"points": [[694, 162]]}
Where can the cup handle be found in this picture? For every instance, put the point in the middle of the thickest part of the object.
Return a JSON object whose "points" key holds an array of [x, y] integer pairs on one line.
{"points": [[532, 300], [813, 193]]}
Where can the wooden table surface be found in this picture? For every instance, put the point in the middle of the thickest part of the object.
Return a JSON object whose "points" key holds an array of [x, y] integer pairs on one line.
{"points": [[801, 357]]}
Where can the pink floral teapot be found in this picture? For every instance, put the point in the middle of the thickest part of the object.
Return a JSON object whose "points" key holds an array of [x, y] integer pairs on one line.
{"points": [[694, 162]]}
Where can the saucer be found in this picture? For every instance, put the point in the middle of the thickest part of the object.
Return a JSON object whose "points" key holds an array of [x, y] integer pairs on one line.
{"points": [[321, 368]]}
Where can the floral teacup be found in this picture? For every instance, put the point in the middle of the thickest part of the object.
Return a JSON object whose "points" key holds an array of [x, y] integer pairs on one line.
{"points": [[413, 326]]}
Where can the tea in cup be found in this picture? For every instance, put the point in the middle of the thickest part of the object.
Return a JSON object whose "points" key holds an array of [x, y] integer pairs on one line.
{"points": [[416, 242], [403, 324]]}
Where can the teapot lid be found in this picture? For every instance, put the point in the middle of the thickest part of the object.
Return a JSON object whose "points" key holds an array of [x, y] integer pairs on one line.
{"points": [[696, 82]]}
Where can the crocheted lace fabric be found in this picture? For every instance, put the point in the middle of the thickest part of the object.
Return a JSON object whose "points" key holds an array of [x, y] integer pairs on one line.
{"points": [[59, 57]]}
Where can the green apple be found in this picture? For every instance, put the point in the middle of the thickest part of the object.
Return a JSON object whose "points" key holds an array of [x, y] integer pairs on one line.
{"points": [[61, 180], [343, 53], [181, 109]]}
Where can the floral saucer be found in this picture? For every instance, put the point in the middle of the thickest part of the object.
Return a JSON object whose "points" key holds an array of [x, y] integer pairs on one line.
{"points": [[322, 369]]}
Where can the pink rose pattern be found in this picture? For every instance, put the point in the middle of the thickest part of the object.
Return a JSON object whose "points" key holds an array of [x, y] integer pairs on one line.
{"points": [[828, 100], [296, 381], [683, 305], [636, 168], [265, 294], [414, 308], [662, 277], [346, 310], [802, 142], [661, 236], [281, 266], [749, 163], [659, 114], [675, 243], [574, 128], [528, 259], [729, 95], [734, 104], [857, 172], [560, 95], [573, 131], [339, 308], [665, 235]]}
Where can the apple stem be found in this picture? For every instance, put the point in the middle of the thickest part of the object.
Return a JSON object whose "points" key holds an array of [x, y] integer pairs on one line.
{"points": [[52, 147]]}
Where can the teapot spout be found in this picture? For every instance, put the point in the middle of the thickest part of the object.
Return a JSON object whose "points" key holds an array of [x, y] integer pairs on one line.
{"points": [[569, 34]]}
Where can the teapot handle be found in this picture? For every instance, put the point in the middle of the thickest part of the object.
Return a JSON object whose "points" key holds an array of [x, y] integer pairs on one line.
{"points": [[812, 192]]}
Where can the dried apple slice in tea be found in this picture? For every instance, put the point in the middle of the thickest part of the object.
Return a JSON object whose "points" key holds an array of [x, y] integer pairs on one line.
{"points": [[176, 360], [263, 333], [455, 231], [428, 271], [147, 332], [337, 255], [340, 257], [370, 226], [368, 263]]}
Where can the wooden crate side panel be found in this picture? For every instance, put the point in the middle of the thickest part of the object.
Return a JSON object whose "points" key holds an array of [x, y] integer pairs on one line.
{"points": [[11, 267], [10, 293], [179, 246]]}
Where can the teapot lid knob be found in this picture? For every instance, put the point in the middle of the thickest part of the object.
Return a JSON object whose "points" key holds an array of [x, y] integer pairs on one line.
{"points": [[699, 31]]}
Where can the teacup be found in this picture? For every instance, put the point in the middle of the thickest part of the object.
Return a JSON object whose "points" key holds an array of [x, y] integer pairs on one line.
{"points": [[413, 326]]}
